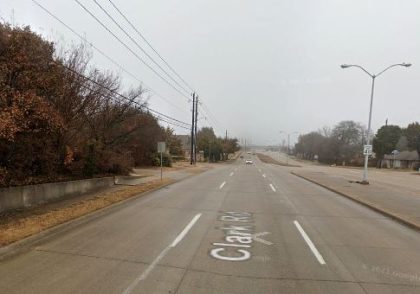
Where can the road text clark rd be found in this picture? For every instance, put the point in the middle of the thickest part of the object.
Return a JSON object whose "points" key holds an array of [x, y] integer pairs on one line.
{"points": [[239, 237]]}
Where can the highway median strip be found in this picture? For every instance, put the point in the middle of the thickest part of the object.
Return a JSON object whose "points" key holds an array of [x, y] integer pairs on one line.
{"points": [[267, 159], [397, 213]]}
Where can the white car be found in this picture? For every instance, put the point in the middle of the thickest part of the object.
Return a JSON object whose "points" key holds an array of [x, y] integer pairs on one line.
{"points": [[248, 161]]}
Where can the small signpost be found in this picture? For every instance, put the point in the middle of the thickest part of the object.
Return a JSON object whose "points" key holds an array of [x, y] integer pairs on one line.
{"points": [[161, 147], [367, 150]]}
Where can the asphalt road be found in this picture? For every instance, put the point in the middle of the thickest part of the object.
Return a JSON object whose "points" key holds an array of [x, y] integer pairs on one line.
{"points": [[234, 229]]}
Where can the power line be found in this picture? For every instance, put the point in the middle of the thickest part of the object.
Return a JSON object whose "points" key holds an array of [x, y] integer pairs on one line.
{"points": [[138, 45], [205, 109], [123, 96], [129, 49], [150, 45], [203, 106], [106, 56], [157, 116]]}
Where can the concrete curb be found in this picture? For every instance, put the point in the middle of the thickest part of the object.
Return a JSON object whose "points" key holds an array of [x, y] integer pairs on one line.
{"points": [[26, 244], [367, 204]]}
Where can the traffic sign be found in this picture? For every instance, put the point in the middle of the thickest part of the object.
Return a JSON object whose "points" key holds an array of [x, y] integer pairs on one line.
{"points": [[367, 149], [161, 147]]}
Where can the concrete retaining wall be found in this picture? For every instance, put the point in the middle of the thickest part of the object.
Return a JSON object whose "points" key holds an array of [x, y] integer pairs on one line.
{"points": [[27, 196]]}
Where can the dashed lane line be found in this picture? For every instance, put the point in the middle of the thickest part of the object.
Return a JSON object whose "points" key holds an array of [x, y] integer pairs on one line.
{"points": [[175, 242], [272, 188], [310, 244]]}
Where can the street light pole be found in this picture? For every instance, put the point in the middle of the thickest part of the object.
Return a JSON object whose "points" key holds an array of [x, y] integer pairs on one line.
{"points": [[288, 148], [365, 170], [280, 145], [288, 145]]}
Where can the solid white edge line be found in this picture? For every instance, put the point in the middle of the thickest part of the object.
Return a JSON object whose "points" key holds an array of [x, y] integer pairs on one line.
{"points": [[272, 188], [151, 266], [231, 174], [185, 230], [221, 186], [309, 242]]}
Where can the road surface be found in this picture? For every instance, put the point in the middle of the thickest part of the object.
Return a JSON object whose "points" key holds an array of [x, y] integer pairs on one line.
{"points": [[234, 229]]}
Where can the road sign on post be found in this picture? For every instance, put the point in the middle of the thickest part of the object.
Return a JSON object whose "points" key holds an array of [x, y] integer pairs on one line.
{"points": [[161, 149], [367, 150]]}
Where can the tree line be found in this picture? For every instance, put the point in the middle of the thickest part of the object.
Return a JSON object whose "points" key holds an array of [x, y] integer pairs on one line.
{"points": [[344, 142], [215, 148], [61, 117]]}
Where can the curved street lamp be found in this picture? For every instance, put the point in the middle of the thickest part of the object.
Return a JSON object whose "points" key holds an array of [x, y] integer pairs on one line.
{"points": [[373, 76]]}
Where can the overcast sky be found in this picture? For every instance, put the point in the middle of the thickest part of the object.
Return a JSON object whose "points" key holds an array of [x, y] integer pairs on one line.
{"points": [[260, 66]]}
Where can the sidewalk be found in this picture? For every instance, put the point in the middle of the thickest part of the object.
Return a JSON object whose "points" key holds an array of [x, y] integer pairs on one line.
{"points": [[398, 203]]}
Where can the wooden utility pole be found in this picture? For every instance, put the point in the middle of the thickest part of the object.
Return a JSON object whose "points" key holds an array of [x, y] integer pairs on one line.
{"points": [[195, 129], [192, 130]]}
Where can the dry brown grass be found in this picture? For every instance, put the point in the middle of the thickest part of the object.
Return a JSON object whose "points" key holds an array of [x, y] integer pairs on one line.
{"points": [[19, 226]]}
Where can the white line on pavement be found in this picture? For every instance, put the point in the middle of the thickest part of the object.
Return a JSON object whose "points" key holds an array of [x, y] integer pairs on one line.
{"points": [[231, 174], [221, 186], [185, 230], [272, 188], [263, 175], [310, 244], [178, 239]]}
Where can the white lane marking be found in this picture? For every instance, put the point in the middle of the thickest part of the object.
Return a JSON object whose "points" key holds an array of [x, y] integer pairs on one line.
{"points": [[221, 186], [263, 175], [185, 230], [178, 239], [310, 244], [231, 174], [256, 237], [272, 188]]}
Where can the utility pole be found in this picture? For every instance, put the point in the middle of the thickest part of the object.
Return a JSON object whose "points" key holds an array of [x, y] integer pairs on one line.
{"points": [[192, 130], [225, 155], [288, 148], [209, 149], [195, 129]]}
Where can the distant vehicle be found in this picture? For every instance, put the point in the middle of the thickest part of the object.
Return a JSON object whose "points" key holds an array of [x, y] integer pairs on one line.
{"points": [[241, 156], [249, 152], [248, 161]]}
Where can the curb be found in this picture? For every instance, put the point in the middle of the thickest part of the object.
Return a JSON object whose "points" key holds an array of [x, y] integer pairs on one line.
{"points": [[367, 204], [26, 244]]}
